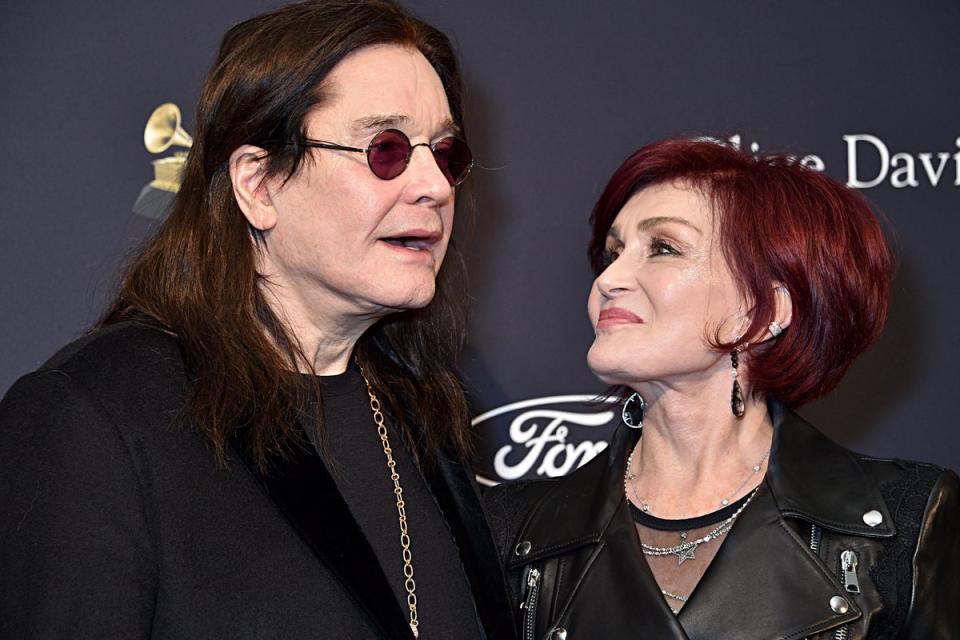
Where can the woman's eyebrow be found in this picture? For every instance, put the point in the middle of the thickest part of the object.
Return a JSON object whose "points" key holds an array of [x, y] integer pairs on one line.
{"points": [[648, 223]]}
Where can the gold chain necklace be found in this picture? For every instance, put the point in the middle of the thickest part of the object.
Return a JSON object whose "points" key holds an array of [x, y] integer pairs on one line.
{"points": [[408, 582]]}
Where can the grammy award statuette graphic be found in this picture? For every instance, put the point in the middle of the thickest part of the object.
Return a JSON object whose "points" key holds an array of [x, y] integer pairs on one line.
{"points": [[162, 132]]}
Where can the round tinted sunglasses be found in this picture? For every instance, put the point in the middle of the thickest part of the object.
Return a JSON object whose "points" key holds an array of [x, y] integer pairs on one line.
{"points": [[388, 154]]}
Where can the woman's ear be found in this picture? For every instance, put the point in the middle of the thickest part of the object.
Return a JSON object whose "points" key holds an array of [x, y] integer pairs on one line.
{"points": [[783, 309], [249, 177]]}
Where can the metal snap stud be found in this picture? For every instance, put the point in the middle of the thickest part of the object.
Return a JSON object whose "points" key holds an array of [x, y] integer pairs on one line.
{"points": [[839, 604], [559, 634], [873, 517], [523, 548]]}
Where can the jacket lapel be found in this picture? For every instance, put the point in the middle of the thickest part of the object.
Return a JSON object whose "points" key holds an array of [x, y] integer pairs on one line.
{"points": [[577, 510], [303, 489], [459, 502], [634, 604], [765, 583], [767, 561], [813, 478], [575, 515]]}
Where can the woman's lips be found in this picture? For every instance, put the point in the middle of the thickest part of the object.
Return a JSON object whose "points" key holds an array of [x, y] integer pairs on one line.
{"points": [[616, 316]]}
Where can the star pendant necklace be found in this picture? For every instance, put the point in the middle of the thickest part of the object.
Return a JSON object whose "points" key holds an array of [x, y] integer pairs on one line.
{"points": [[686, 549]]}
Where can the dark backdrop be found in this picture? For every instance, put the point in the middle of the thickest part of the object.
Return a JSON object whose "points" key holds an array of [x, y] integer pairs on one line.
{"points": [[559, 93]]}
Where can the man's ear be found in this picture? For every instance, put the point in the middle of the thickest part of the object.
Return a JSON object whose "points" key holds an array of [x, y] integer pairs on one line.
{"points": [[249, 177]]}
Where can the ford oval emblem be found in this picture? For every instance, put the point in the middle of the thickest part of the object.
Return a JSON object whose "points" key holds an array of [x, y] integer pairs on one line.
{"points": [[543, 437]]}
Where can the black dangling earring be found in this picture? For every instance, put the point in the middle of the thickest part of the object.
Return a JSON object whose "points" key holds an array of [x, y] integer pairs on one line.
{"points": [[736, 396], [632, 413]]}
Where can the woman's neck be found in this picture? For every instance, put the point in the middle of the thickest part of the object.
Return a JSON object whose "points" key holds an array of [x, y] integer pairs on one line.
{"points": [[695, 453]]}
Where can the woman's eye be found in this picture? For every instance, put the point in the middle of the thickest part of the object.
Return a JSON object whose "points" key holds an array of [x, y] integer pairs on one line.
{"points": [[608, 256], [660, 247]]}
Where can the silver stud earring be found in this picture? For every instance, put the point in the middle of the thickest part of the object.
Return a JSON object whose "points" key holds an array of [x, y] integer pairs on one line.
{"points": [[632, 413], [775, 328]]}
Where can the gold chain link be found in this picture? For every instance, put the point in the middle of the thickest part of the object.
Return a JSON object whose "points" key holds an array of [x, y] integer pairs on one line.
{"points": [[409, 584]]}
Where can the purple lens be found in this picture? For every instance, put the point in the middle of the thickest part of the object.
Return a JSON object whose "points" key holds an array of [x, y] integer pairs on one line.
{"points": [[388, 154], [454, 159]]}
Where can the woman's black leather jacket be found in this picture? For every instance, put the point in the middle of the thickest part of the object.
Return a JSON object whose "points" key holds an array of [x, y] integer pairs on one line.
{"points": [[834, 545]]}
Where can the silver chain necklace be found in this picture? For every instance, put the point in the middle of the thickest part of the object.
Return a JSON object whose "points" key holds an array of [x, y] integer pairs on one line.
{"points": [[674, 596], [408, 582], [643, 505], [686, 550]]}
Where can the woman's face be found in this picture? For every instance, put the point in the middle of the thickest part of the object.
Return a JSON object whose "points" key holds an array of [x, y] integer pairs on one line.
{"points": [[665, 293]]}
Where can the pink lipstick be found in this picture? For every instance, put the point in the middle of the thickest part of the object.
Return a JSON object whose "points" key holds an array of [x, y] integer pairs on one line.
{"points": [[616, 316]]}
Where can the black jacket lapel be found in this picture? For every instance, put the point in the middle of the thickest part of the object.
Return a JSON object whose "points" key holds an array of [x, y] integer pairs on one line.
{"points": [[457, 497], [806, 468], [771, 563], [634, 603], [577, 516], [303, 489], [763, 562]]}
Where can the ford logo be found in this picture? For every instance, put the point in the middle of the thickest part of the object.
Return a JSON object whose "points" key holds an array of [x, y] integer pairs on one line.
{"points": [[543, 437]]}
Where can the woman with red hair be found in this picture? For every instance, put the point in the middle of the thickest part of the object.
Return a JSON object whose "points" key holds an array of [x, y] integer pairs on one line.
{"points": [[731, 290]]}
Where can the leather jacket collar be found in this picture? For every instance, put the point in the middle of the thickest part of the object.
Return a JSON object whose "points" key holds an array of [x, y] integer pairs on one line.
{"points": [[763, 560], [805, 471]]}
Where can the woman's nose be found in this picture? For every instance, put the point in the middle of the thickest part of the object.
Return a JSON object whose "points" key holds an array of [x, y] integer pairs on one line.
{"points": [[616, 279]]}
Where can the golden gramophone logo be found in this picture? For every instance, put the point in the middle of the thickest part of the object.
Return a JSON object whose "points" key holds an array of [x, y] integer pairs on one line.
{"points": [[162, 132]]}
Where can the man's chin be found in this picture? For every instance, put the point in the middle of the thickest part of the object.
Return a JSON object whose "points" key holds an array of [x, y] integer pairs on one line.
{"points": [[416, 299]]}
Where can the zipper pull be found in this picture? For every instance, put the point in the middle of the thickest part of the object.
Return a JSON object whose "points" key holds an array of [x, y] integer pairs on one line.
{"points": [[531, 576], [848, 564]]}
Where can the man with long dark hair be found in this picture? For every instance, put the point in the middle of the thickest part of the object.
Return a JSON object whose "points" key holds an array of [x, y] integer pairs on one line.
{"points": [[263, 437]]}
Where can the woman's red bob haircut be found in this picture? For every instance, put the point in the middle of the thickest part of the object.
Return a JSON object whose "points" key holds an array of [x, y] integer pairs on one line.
{"points": [[778, 222]]}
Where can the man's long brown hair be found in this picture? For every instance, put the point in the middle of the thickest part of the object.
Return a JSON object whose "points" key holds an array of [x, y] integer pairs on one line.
{"points": [[197, 279]]}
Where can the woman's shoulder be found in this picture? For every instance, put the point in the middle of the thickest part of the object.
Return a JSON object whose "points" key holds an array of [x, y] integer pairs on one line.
{"points": [[911, 489], [816, 478], [899, 479], [916, 572]]}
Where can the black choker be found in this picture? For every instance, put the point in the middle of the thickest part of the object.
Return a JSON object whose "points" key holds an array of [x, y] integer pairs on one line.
{"points": [[686, 524]]}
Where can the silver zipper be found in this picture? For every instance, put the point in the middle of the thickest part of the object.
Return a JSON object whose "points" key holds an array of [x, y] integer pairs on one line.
{"points": [[815, 532], [848, 575], [848, 568], [529, 604]]}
